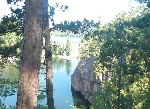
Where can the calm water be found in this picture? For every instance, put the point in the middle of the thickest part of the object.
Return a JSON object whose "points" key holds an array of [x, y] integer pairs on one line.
{"points": [[64, 95]]}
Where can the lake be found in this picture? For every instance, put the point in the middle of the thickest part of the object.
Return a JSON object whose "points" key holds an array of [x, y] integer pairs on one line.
{"points": [[65, 97]]}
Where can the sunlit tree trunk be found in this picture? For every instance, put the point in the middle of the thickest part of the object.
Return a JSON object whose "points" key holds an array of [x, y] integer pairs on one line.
{"points": [[48, 58], [31, 56]]}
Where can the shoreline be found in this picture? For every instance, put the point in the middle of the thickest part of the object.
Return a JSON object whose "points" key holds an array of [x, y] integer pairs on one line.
{"points": [[71, 57]]}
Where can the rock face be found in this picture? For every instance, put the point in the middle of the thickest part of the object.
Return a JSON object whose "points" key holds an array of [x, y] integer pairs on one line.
{"points": [[83, 79]]}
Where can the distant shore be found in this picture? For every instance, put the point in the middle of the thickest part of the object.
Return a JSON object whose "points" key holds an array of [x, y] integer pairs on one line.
{"points": [[71, 57], [67, 57]]}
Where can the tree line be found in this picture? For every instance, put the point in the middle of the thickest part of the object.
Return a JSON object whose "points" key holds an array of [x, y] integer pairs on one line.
{"points": [[77, 27]]}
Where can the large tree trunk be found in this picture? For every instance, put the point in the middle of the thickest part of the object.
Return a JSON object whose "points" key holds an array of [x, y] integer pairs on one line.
{"points": [[31, 55], [48, 58]]}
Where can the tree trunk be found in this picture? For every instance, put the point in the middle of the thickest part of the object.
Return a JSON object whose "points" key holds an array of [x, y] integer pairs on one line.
{"points": [[119, 88], [119, 83], [48, 58], [31, 56]]}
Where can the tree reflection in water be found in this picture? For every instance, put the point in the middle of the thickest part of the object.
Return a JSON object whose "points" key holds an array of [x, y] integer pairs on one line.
{"points": [[58, 63], [68, 67], [61, 63]]}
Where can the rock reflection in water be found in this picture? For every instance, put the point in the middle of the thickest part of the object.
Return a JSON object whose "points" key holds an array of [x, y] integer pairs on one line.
{"points": [[79, 99]]}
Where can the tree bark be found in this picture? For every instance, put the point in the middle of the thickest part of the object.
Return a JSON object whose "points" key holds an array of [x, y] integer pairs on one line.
{"points": [[31, 56], [119, 83], [48, 58]]}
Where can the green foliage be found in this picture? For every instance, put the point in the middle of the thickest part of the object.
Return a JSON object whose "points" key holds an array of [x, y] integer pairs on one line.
{"points": [[57, 48], [144, 1], [41, 107], [121, 49], [14, 23], [77, 27], [13, 1], [68, 48], [8, 87], [41, 96], [90, 46], [10, 45]]}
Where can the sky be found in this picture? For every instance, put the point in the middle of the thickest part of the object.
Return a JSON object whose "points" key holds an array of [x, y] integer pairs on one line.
{"points": [[79, 9]]}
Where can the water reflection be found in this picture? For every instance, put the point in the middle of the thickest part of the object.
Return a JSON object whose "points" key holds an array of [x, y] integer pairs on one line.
{"points": [[79, 99], [58, 63], [68, 67], [64, 96]]}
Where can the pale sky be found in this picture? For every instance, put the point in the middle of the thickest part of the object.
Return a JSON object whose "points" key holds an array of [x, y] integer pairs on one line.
{"points": [[79, 9]]}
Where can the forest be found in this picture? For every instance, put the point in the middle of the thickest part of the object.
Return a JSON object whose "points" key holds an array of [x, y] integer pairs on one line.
{"points": [[121, 49]]}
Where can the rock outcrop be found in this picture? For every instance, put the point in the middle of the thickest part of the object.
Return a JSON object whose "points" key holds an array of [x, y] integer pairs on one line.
{"points": [[84, 79]]}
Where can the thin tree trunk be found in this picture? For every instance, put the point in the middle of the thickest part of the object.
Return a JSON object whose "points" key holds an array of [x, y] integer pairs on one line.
{"points": [[48, 58], [119, 84], [49, 75], [31, 56]]}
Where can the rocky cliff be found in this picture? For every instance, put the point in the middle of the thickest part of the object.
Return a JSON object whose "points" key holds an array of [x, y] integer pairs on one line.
{"points": [[83, 79]]}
